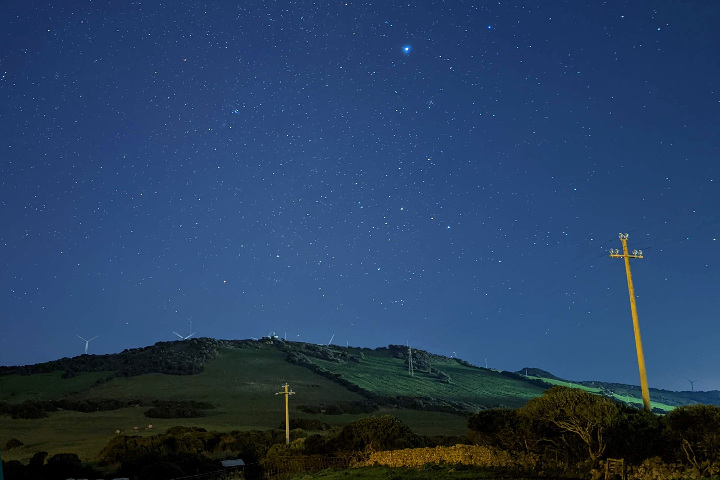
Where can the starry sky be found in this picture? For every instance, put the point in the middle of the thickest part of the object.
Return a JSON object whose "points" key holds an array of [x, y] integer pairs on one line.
{"points": [[448, 174]]}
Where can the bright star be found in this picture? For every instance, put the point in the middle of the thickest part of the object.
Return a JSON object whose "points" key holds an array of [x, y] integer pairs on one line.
{"points": [[406, 49]]}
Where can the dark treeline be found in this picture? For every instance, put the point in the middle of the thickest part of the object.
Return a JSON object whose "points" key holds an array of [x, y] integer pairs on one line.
{"points": [[573, 431], [173, 358], [33, 409]]}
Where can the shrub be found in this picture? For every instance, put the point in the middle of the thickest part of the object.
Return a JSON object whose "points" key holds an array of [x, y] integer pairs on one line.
{"points": [[636, 435], [13, 443], [694, 434], [376, 433], [585, 417], [503, 428], [305, 424], [180, 409], [161, 471], [66, 465]]}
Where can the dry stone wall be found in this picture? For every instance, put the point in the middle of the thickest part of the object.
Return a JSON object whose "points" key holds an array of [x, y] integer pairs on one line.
{"points": [[458, 454]]}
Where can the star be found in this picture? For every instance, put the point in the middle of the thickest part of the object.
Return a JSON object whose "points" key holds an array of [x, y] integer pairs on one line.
{"points": [[406, 49]]}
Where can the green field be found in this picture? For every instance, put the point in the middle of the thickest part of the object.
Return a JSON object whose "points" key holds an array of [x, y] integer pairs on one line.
{"points": [[240, 384], [429, 472], [45, 386], [380, 373], [240, 380], [620, 398]]}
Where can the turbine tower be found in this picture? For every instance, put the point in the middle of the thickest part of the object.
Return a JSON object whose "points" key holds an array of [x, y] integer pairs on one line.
{"points": [[87, 342]]}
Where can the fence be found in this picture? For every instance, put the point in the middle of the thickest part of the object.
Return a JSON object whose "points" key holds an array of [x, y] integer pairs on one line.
{"points": [[281, 467]]}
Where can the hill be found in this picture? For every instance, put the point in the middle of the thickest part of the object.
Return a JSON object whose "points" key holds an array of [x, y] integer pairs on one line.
{"points": [[663, 401], [79, 404]]}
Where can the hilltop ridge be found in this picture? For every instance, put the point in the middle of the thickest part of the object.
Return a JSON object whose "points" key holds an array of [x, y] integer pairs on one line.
{"points": [[350, 367]]}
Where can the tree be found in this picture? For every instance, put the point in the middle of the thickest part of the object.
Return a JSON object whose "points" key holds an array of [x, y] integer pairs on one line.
{"points": [[694, 430], [586, 416], [503, 428], [376, 433], [65, 465], [636, 435]]}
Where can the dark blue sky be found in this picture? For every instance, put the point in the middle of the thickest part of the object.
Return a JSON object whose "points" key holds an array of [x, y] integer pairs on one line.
{"points": [[290, 167]]}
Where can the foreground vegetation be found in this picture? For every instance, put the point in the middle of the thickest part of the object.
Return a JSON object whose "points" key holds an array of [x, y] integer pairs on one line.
{"points": [[565, 433], [428, 472], [96, 413]]}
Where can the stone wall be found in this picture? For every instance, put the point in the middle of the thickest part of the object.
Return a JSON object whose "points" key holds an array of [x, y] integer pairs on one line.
{"points": [[458, 454]]}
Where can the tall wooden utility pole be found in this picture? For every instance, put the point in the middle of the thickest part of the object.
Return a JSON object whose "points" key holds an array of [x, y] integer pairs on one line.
{"points": [[636, 325], [410, 364], [287, 394]]}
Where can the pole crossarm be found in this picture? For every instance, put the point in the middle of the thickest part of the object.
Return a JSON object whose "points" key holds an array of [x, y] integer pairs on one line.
{"points": [[287, 392], [615, 253]]}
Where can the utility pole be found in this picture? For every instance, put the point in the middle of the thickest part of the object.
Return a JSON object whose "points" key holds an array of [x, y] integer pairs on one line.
{"points": [[287, 394], [636, 325], [410, 365]]}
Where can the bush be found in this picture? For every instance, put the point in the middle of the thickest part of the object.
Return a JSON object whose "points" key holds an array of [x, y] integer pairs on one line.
{"points": [[318, 445], [694, 435], [339, 408], [636, 435], [13, 443], [17, 471], [504, 429], [66, 465], [179, 409], [579, 418], [161, 471], [305, 424], [376, 433]]}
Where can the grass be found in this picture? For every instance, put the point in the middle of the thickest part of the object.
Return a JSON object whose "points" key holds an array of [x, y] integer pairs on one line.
{"points": [[429, 472], [45, 386], [621, 398], [380, 373], [240, 383]]}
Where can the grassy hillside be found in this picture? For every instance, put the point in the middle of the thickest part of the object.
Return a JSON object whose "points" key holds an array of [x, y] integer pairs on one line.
{"points": [[661, 400], [87, 399], [624, 397], [46, 386], [385, 372], [239, 382]]}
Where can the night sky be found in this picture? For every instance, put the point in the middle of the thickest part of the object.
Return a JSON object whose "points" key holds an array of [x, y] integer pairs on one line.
{"points": [[448, 174]]}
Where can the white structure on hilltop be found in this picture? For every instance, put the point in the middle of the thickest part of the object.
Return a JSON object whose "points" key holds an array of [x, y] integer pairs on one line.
{"points": [[191, 334], [87, 342]]}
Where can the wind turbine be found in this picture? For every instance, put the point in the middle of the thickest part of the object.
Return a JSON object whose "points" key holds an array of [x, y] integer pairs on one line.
{"points": [[185, 338], [692, 384], [87, 342]]}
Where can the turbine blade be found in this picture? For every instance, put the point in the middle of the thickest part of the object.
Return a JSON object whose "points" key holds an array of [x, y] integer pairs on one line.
{"points": [[189, 336], [81, 338], [176, 333]]}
